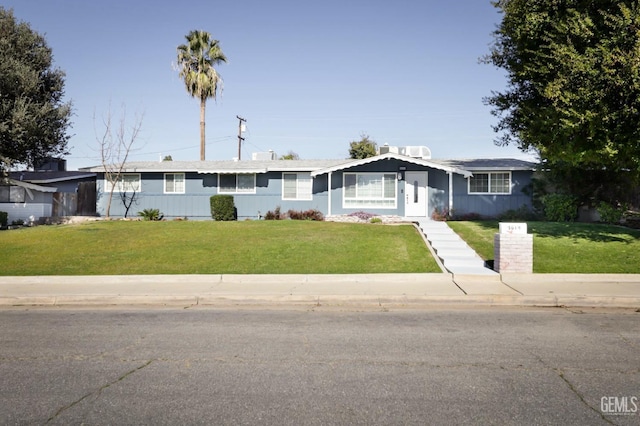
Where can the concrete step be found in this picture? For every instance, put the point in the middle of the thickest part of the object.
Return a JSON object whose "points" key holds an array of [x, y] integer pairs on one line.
{"points": [[456, 255], [460, 245]]}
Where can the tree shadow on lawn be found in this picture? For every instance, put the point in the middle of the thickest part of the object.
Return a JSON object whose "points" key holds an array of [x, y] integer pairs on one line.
{"points": [[585, 231]]}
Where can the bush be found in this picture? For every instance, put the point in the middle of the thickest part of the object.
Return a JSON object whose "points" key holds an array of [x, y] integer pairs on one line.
{"points": [[151, 214], [522, 214], [274, 215], [560, 207], [223, 207], [472, 216], [310, 214], [441, 215], [609, 213], [4, 219], [376, 220]]}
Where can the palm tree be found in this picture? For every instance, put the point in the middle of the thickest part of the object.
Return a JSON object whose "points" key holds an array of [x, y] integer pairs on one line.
{"points": [[196, 61]]}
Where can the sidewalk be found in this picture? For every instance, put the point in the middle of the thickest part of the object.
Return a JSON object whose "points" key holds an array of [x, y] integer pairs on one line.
{"points": [[603, 290]]}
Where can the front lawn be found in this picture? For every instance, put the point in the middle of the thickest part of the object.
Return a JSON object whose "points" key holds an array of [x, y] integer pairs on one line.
{"points": [[208, 247], [561, 247]]}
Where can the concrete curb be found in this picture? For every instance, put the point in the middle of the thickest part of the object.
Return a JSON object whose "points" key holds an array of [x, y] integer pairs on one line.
{"points": [[371, 290]]}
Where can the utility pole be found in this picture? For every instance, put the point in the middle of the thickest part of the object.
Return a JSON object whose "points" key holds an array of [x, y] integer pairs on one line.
{"points": [[240, 130]]}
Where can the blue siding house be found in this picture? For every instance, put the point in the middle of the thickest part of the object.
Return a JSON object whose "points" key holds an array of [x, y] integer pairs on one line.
{"points": [[401, 181]]}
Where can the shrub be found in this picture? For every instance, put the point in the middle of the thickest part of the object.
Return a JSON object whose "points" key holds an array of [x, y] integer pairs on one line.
{"points": [[310, 214], [4, 219], [223, 207], [609, 213], [376, 220], [560, 207], [362, 215], [467, 216], [521, 214], [441, 215], [151, 214], [273, 215]]}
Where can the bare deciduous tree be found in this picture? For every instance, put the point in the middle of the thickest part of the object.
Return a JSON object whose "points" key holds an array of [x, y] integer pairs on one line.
{"points": [[115, 145]]}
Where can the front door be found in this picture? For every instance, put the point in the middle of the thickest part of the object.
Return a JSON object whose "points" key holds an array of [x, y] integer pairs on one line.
{"points": [[415, 193]]}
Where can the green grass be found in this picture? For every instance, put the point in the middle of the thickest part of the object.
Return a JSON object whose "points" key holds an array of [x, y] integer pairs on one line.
{"points": [[560, 247], [208, 247]]}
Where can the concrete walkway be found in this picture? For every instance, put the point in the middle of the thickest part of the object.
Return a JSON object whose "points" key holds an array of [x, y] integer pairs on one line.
{"points": [[373, 290], [454, 253]]}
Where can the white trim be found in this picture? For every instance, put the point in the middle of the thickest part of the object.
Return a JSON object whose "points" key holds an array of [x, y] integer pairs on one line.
{"points": [[252, 191], [370, 203], [164, 183], [451, 191], [27, 185], [394, 156], [489, 173], [107, 183], [329, 194], [301, 193]]}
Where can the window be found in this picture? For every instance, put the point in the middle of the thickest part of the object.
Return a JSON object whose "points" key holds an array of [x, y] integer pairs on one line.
{"points": [[296, 186], [11, 194], [490, 183], [128, 182], [373, 190], [174, 183], [237, 183]]}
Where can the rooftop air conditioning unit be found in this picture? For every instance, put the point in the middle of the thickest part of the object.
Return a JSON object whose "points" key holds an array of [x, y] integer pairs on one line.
{"points": [[385, 149], [264, 156], [416, 152]]}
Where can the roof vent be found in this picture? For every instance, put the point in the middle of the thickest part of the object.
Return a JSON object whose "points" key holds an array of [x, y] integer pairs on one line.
{"points": [[416, 152]]}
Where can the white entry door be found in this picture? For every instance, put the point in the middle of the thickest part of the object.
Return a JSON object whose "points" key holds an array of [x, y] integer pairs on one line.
{"points": [[415, 193]]}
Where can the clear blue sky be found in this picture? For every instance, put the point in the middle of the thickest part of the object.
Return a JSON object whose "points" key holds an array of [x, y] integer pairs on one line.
{"points": [[309, 76]]}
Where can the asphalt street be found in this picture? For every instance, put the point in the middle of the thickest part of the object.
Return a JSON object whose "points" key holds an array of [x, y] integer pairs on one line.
{"points": [[311, 366]]}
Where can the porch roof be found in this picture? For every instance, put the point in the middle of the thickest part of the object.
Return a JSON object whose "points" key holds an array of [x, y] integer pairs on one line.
{"points": [[389, 156], [31, 186]]}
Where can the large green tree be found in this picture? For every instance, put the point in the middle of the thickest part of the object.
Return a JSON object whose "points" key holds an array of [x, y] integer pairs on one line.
{"points": [[573, 93], [197, 59], [33, 118]]}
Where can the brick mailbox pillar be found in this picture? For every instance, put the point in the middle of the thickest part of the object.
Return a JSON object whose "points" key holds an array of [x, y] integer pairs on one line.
{"points": [[513, 249]]}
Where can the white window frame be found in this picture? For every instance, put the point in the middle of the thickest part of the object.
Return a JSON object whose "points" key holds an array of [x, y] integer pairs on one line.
{"points": [[360, 201], [15, 194], [304, 186], [184, 183], [490, 177], [119, 184], [237, 189]]}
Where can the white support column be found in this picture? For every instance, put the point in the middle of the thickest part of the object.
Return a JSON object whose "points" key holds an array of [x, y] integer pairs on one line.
{"points": [[329, 195], [450, 191]]}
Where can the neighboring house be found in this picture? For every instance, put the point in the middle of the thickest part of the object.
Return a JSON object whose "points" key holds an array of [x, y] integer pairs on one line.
{"points": [[24, 201], [400, 181], [50, 191]]}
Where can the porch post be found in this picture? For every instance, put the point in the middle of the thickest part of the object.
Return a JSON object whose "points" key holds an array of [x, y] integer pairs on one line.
{"points": [[450, 191], [329, 196]]}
